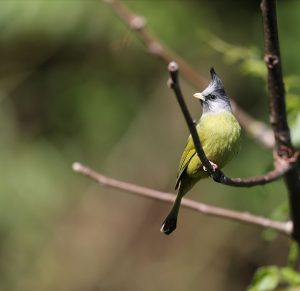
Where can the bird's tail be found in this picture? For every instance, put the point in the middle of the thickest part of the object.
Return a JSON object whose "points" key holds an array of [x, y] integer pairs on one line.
{"points": [[169, 224]]}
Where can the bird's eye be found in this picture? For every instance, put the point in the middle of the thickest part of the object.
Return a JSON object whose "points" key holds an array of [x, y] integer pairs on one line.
{"points": [[212, 97]]}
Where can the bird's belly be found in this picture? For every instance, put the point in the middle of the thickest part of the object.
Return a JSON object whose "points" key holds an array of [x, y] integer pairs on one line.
{"points": [[220, 138], [221, 148]]}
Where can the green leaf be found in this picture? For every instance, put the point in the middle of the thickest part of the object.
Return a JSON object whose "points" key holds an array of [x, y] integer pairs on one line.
{"points": [[265, 279], [290, 276], [272, 277]]}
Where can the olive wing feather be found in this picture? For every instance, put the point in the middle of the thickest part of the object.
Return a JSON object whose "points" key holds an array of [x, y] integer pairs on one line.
{"points": [[187, 155]]}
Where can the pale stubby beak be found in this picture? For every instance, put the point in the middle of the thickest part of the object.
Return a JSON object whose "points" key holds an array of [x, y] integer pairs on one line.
{"points": [[199, 96]]}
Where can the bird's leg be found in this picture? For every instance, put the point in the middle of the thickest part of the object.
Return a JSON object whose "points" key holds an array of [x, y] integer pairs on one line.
{"points": [[214, 166]]}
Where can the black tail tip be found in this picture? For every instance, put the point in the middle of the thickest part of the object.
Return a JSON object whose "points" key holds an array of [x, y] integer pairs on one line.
{"points": [[169, 225]]}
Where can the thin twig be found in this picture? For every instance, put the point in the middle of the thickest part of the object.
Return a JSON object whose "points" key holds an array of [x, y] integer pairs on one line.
{"points": [[257, 129], [278, 118], [282, 166], [282, 227], [174, 84]]}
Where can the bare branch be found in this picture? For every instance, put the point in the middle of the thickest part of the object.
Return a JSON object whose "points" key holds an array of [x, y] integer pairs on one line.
{"points": [[282, 166], [281, 227], [278, 119], [257, 129], [174, 84]]}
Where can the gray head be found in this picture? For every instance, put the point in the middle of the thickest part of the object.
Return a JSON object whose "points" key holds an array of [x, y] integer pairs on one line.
{"points": [[214, 98]]}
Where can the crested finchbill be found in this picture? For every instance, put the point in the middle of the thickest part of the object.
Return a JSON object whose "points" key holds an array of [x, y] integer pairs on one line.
{"points": [[219, 132]]}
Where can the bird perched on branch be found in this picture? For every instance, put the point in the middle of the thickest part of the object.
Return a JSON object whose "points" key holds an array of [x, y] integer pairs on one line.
{"points": [[219, 133]]}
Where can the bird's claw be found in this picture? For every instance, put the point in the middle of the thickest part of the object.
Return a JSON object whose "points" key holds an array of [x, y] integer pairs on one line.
{"points": [[214, 166]]}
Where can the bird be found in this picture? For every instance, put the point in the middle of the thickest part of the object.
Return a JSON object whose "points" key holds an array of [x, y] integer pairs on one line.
{"points": [[220, 135]]}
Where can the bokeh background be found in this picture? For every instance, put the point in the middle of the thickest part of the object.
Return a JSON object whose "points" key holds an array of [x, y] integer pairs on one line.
{"points": [[77, 85]]}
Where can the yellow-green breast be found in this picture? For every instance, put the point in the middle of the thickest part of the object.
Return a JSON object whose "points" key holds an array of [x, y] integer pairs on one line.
{"points": [[220, 137]]}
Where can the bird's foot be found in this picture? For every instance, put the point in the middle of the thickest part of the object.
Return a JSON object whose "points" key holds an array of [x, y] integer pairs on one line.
{"points": [[214, 166], [169, 225]]}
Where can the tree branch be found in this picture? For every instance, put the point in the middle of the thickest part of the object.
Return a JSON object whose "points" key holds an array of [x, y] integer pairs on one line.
{"points": [[285, 157], [282, 227], [278, 119], [282, 166], [257, 129]]}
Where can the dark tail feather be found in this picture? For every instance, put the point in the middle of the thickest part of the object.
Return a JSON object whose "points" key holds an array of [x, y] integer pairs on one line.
{"points": [[170, 223]]}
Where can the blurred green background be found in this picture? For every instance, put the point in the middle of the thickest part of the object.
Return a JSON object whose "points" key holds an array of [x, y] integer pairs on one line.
{"points": [[77, 85]]}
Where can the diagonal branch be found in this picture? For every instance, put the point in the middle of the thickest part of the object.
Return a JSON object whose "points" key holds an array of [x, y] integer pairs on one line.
{"points": [[260, 131], [278, 118], [282, 166], [282, 227]]}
